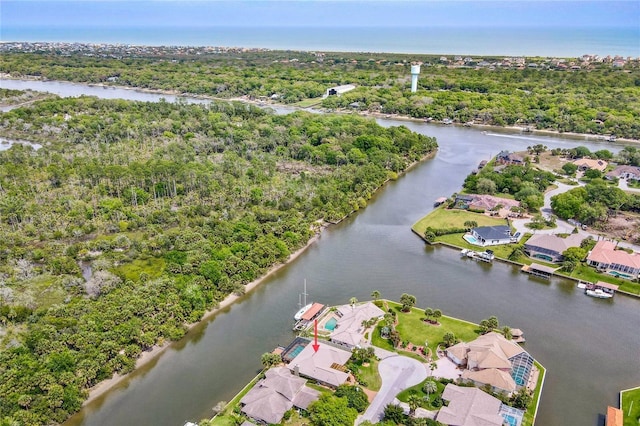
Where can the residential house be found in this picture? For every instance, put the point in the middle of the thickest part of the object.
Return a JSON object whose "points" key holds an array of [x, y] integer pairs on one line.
{"points": [[506, 157], [624, 172], [349, 331], [549, 247], [493, 235], [588, 163], [326, 365], [277, 393], [493, 360], [604, 257], [339, 90], [473, 407]]}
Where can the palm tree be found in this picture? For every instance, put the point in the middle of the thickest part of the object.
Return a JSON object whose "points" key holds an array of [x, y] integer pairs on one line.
{"points": [[437, 313], [414, 402], [375, 294], [353, 301], [506, 332], [449, 338], [428, 313], [429, 387]]}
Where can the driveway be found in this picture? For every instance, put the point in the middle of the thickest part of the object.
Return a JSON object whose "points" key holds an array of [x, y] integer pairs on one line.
{"points": [[446, 369], [398, 373]]}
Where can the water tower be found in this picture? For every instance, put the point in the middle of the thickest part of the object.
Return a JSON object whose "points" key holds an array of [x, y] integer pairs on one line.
{"points": [[415, 71]]}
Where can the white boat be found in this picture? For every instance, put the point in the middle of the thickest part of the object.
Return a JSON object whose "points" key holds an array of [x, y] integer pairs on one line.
{"points": [[464, 252], [305, 308], [599, 293]]}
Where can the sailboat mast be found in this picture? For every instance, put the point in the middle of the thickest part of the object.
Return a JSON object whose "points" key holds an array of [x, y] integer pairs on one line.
{"points": [[305, 292]]}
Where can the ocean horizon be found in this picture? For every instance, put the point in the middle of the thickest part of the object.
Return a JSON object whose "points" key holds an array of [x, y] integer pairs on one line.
{"points": [[464, 40]]}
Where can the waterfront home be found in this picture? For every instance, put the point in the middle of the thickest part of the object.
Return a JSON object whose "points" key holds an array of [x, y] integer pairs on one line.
{"points": [[349, 330], [326, 366], [493, 360], [624, 172], [506, 157], [484, 202], [549, 247], [274, 395], [491, 236], [605, 258], [472, 407], [588, 163]]}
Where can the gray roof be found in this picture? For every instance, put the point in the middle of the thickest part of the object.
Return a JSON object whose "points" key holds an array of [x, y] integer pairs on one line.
{"points": [[469, 407], [278, 392], [553, 242], [493, 232], [320, 365]]}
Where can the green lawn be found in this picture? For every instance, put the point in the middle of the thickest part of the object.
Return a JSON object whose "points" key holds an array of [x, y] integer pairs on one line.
{"points": [[443, 218], [530, 414], [502, 251], [308, 103], [413, 329], [631, 406], [371, 376], [404, 395]]}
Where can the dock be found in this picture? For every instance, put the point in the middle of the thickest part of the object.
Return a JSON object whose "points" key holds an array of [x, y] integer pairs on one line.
{"points": [[538, 270], [481, 256]]}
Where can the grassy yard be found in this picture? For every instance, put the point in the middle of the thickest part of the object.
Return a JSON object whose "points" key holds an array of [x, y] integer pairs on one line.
{"points": [[404, 395], [529, 415], [631, 406], [412, 328], [308, 103], [443, 218], [371, 376]]}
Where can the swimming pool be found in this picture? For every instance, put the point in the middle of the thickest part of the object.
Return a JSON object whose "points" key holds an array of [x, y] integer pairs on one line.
{"points": [[620, 275], [471, 239], [331, 324], [296, 351]]}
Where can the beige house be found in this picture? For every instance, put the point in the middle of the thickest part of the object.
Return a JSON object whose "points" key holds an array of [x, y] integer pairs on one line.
{"points": [[588, 163], [277, 393], [491, 359], [326, 366], [549, 247], [349, 330], [473, 407]]}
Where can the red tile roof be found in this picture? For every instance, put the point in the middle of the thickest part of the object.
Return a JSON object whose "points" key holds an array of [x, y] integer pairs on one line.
{"points": [[605, 252], [614, 416], [313, 311]]}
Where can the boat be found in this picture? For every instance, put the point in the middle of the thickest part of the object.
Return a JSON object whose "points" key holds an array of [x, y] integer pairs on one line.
{"points": [[464, 252], [306, 307], [599, 293]]}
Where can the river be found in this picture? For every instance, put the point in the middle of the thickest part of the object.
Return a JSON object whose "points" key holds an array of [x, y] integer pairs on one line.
{"points": [[590, 347]]}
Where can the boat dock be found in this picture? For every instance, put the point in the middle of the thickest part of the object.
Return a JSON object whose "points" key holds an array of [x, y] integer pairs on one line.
{"points": [[481, 256], [538, 270]]}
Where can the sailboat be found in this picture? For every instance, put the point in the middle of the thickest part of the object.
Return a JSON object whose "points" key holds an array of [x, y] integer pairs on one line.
{"points": [[306, 306]]}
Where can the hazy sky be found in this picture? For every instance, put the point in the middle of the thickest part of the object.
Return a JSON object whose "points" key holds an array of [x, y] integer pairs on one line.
{"points": [[426, 13]]}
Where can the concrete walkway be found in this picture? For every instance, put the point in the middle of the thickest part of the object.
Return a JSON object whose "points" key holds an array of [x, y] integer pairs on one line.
{"points": [[398, 373]]}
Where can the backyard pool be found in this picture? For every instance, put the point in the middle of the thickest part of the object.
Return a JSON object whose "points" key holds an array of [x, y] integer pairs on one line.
{"points": [[331, 324], [471, 240]]}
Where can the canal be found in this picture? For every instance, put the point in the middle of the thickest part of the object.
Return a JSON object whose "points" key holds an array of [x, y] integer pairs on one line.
{"points": [[590, 347]]}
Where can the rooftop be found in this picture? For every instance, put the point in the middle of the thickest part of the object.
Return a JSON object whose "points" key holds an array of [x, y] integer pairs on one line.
{"points": [[469, 407], [605, 252]]}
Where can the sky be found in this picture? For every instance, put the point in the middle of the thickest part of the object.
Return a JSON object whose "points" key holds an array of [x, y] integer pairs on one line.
{"points": [[319, 13]]}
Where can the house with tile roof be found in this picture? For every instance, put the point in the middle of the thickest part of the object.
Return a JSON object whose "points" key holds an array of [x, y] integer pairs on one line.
{"points": [[491, 359], [326, 366], [506, 157], [473, 407], [605, 258], [549, 247], [588, 163], [624, 172], [349, 330], [277, 393]]}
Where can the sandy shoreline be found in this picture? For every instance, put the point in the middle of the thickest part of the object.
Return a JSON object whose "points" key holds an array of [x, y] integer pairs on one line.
{"points": [[104, 386]]}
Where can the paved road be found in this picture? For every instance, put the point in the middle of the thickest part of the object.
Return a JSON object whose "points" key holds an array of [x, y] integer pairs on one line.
{"points": [[398, 373], [563, 227]]}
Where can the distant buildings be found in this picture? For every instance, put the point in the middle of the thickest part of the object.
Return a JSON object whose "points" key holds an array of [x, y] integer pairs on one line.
{"points": [[604, 257], [624, 172], [339, 90], [588, 163]]}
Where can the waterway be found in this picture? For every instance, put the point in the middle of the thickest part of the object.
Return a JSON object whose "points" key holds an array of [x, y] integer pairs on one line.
{"points": [[590, 347]]}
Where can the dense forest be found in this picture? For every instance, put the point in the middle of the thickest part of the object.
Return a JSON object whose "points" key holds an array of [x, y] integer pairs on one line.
{"points": [[135, 218], [596, 99]]}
